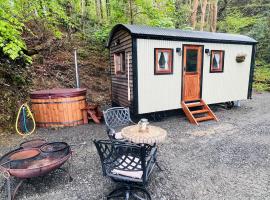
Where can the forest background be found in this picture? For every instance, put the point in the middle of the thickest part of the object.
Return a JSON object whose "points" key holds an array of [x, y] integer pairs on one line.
{"points": [[38, 37]]}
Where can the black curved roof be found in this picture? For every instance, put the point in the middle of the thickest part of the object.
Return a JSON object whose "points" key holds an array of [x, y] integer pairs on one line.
{"points": [[140, 31]]}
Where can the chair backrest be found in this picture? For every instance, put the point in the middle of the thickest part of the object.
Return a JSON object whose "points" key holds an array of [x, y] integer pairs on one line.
{"points": [[117, 116], [123, 156], [105, 150]]}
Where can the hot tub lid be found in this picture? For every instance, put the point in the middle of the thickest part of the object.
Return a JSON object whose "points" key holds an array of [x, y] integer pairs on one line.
{"points": [[58, 93]]}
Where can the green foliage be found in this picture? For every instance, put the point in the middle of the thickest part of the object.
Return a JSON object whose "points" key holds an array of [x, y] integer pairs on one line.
{"points": [[236, 22], [101, 33], [253, 19], [182, 17], [262, 76], [11, 29], [160, 14], [15, 14], [261, 32]]}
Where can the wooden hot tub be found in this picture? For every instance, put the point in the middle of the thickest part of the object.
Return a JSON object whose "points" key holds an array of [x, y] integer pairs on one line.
{"points": [[58, 107]]}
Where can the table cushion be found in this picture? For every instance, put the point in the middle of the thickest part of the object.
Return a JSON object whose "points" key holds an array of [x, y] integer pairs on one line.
{"points": [[118, 136]]}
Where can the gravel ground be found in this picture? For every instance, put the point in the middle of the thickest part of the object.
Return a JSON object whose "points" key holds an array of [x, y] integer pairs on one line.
{"points": [[229, 159]]}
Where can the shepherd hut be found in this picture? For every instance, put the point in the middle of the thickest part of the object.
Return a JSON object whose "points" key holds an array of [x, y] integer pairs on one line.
{"points": [[157, 69]]}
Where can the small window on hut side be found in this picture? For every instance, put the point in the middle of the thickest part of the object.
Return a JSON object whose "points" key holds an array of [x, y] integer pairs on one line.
{"points": [[217, 61], [163, 61], [120, 63]]}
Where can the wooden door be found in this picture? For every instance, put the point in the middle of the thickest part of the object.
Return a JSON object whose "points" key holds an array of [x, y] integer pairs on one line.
{"points": [[192, 69]]}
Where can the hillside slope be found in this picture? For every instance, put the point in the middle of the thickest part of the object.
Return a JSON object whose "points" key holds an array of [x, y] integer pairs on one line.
{"points": [[53, 67]]}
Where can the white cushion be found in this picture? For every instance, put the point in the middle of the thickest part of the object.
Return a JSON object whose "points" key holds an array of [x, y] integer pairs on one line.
{"points": [[118, 136], [132, 174]]}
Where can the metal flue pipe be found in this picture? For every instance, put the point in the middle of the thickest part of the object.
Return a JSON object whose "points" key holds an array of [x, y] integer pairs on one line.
{"points": [[76, 69]]}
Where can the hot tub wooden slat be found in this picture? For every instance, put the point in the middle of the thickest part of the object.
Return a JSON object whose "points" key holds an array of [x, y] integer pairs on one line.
{"points": [[58, 107]]}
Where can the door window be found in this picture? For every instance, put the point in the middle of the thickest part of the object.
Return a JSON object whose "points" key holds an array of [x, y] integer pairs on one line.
{"points": [[191, 60]]}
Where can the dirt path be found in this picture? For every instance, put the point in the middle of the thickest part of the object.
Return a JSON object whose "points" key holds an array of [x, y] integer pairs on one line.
{"points": [[225, 160]]}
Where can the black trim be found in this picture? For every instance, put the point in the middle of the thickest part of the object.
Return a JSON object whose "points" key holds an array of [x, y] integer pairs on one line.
{"points": [[155, 70], [164, 37], [182, 83], [111, 76], [210, 71], [251, 73], [135, 77]]}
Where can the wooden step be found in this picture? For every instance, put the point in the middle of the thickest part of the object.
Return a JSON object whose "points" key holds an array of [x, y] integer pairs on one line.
{"points": [[211, 113], [194, 112], [205, 109], [190, 117], [200, 119], [191, 105]]}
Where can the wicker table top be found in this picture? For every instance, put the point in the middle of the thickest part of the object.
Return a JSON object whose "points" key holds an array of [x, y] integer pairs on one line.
{"points": [[153, 135]]}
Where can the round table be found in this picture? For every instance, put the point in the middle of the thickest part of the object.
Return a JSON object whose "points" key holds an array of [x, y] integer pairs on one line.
{"points": [[153, 135]]}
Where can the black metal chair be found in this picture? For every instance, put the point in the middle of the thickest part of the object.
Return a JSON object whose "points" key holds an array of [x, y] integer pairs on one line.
{"points": [[116, 118], [128, 163]]}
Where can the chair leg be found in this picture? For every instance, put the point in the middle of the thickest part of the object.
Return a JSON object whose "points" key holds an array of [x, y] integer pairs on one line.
{"points": [[159, 167], [16, 189], [9, 189], [117, 193], [127, 192], [140, 193]]}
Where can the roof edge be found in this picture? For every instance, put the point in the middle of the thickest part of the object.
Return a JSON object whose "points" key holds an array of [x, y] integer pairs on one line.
{"points": [[114, 30], [176, 38]]}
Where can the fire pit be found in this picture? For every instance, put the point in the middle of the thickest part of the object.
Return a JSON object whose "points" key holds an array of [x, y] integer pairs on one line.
{"points": [[33, 158]]}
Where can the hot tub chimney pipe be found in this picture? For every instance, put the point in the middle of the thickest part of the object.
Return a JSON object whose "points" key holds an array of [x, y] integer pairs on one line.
{"points": [[76, 69]]}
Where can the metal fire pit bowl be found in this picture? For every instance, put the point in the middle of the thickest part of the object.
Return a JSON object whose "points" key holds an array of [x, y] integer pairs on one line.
{"points": [[35, 143], [54, 149], [32, 162], [19, 156]]}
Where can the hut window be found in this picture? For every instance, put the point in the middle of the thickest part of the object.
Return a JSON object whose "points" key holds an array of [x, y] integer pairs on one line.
{"points": [[217, 61], [163, 61], [120, 63]]}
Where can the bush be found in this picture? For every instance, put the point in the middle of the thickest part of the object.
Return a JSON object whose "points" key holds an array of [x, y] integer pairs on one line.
{"points": [[262, 77]]}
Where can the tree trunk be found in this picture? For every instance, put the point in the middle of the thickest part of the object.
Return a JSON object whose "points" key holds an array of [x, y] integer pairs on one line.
{"points": [[222, 8], [82, 14], [213, 16], [194, 13], [108, 9], [101, 10], [97, 10], [203, 8], [131, 12], [208, 16], [69, 12], [177, 5]]}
